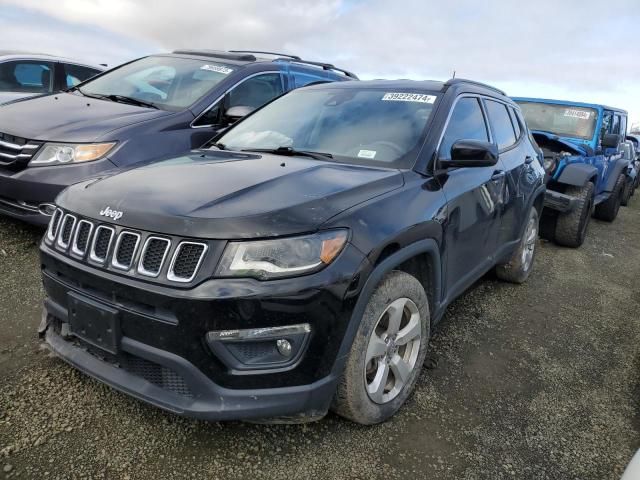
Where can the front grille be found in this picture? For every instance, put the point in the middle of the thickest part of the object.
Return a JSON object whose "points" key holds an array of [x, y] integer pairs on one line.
{"points": [[66, 229], [153, 255], [101, 243], [81, 239], [16, 151], [54, 223], [125, 250], [186, 261]]}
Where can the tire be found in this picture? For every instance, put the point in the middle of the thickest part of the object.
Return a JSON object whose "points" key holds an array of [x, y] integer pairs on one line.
{"points": [[519, 266], [371, 355], [608, 210], [627, 191], [571, 227]]}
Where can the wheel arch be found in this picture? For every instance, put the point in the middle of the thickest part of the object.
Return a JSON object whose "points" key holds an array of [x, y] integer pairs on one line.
{"points": [[578, 174], [615, 172]]}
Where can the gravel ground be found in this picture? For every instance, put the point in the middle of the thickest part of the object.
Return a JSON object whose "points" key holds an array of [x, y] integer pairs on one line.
{"points": [[532, 382]]}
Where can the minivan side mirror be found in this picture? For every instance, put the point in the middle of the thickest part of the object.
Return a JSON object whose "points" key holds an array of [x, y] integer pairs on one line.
{"points": [[471, 153], [238, 112], [611, 140]]}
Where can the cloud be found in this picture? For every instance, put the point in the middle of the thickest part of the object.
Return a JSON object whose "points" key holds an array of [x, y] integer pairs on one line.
{"points": [[570, 45]]}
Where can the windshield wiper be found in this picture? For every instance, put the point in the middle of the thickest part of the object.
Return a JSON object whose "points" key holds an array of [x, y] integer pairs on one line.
{"points": [[129, 100], [291, 152]]}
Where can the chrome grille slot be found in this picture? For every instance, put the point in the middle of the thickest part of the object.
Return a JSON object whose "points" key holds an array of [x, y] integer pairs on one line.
{"points": [[125, 250], [54, 223], [81, 238], [66, 231], [153, 256], [101, 243], [186, 261], [17, 150]]}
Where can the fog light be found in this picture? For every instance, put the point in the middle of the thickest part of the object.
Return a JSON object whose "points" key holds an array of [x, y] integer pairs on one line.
{"points": [[284, 347]]}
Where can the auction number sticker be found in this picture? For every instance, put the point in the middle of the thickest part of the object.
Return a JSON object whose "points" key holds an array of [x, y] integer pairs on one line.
{"points": [[577, 114], [409, 97], [367, 154], [217, 68]]}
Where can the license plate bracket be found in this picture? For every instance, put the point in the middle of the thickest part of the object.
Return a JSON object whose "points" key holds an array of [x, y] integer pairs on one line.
{"points": [[94, 322]]}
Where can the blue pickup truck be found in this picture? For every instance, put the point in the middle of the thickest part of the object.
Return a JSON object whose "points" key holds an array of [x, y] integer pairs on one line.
{"points": [[583, 159]]}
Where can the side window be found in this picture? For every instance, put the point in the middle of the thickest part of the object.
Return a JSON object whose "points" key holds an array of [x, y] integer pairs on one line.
{"points": [[255, 91], [607, 121], [302, 78], [615, 126], [501, 125], [516, 122], [26, 76], [466, 123], [75, 74], [623, 125]]}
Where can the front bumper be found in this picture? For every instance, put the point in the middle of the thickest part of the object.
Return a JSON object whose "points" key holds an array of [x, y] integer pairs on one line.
{"points": [[164, 359], [559, 201], [22, 192]]}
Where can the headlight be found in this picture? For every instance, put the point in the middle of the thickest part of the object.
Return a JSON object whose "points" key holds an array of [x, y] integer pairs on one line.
{"points": [[63, 153], [550, 164], [283, 257]]}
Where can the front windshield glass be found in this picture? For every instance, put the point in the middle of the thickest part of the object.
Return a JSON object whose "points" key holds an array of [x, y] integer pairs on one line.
{"points": [[363, 126], [169, 83], [561, 120]]}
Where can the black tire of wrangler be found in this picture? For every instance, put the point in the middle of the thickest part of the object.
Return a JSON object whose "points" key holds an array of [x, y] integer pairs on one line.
{"points": [[608, 210], [626, 192], [351, 400], [514, 271], [571, 227]]}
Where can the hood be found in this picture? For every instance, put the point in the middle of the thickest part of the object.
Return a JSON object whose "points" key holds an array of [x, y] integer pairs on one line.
{"points": [[6, 97], [228, 195], [559, 142], [69, 117]]}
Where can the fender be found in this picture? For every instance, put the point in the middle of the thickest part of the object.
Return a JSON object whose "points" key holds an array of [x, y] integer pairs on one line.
{"points": [[428, 246], [540, 190], [614, 172], [577, 174]]}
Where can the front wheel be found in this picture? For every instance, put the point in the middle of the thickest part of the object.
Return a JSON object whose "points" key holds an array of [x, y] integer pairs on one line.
{"points": [[387, 353], [627, 192], [571, 227], [519, 266]]}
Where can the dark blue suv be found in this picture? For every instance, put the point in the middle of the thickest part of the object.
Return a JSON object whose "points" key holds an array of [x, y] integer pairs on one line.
{"points": [[153, 107], [300, 263]]}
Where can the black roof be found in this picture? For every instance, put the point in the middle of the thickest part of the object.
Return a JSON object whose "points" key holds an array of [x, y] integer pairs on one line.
{"points": [[425, 85]]}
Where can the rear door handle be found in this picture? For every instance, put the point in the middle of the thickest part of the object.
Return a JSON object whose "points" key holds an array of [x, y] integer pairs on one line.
{"points": [[528, 159], [498, 175]]}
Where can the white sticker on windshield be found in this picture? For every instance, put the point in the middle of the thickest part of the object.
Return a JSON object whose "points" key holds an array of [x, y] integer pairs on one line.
{"points": [[409, 97], [367, 154], [577, 114], [217, 68]]}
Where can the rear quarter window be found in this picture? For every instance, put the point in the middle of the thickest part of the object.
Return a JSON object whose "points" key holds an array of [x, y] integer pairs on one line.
{"points": [[501, 126]]}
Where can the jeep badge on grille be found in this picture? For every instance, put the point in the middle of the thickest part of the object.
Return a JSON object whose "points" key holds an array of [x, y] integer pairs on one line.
{"points": [[115, 214]]}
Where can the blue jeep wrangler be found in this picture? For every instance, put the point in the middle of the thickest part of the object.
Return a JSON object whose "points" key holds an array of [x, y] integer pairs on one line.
{"points": [[586, 167]]}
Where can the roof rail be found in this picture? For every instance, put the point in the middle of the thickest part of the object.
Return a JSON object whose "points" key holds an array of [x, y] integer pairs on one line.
{"points": [[260, 52], [456, 81], [324, 66], [245, 57]]}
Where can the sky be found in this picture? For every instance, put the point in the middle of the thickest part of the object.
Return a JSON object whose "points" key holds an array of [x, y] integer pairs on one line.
{"points": [[583, 50]]}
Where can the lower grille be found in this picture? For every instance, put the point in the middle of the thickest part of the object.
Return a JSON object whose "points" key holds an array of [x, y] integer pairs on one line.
{"points": [[160, 376]]}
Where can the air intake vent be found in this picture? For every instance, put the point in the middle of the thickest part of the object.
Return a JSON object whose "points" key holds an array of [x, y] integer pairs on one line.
{"points": [[101, 243], [81, 239], [54, 223], [125, 250], [186, 261], [66, 230], [153, 256]]}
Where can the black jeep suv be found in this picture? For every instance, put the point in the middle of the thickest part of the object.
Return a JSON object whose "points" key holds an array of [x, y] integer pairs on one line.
{"points": [[154, 107], [300, 263]]}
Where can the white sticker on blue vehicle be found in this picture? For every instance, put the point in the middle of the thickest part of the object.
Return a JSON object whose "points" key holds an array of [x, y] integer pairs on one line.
{"points": [[409, 97], [217, 68], [367, 154], [569, 112]]}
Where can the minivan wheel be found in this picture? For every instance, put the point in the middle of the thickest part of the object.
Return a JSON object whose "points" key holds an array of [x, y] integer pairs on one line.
{"points": [[571, 227], [519, 266], [608, 210], [387, 353]]}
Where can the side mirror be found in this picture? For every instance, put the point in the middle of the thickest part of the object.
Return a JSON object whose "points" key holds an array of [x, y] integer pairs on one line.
{"points": [[472, 153], [611, 140], [238, 112]]}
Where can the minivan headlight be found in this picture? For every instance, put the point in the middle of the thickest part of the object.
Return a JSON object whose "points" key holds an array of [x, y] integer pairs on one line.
{"points": [[282, 257], [64, 153]]}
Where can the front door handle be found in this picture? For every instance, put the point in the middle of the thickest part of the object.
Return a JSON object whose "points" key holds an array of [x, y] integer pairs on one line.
{"points": [[528, 159], [498, 175]]}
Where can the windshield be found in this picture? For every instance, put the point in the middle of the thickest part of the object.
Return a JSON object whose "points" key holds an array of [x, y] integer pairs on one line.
{"points": [[562, 120], [169, 83], [371, 127]]}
